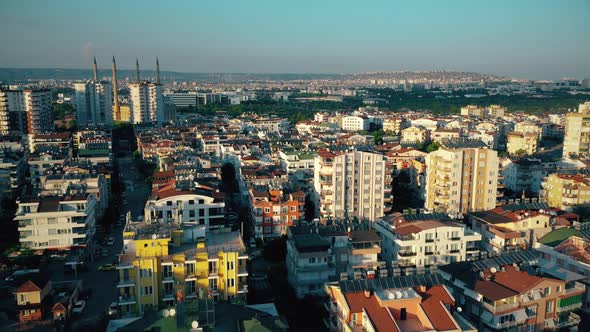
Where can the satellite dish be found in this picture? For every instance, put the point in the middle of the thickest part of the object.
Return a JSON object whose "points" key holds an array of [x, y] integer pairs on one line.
{"points": [[404, 295], [195, 324], [172, 312], [165, 313], [154, 236], [459, 309], [398, 294], [493, 269]]}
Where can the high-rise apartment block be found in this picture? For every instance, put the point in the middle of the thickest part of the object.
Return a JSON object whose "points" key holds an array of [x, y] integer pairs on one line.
{"points": [[147, 103], [494, 111], [94, 105], [25, 111], [146, 100], [461, 177], [358, 181], [577, 132]]}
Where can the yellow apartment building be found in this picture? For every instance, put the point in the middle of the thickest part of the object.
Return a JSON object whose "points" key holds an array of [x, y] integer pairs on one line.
{"points": [[566, 191], [163, 264], [522, 143]]}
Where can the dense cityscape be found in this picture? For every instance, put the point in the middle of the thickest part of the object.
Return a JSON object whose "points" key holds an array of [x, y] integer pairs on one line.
{"points": [[154, 198]]}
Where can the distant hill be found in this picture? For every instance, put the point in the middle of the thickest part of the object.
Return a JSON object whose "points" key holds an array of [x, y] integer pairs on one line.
{"points": [[24, 74]]}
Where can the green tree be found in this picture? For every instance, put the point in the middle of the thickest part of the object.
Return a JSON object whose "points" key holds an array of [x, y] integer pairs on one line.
{"points": [[432, 147]]}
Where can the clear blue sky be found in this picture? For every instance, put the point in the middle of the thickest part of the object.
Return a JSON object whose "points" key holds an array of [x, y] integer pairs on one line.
{"points": [[522, 38]]}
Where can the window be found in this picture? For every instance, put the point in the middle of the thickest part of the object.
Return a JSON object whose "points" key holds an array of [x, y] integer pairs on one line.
{"points": [[191, 201], [144, 273], [213, 267], [231, 282], [530, 327], [266, 210], [169, 203], [312, 260], [549, 307], [213, 284], [230, 265], [191, 213], [147, 290], [293, 208], [547, 291]]}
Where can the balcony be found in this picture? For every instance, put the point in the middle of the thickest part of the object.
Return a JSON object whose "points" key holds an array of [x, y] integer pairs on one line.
{"points": [[455, 238], [428, 253], [499, 307], [406, 253], [126, 283], [429, 240], [242, 271], [167, 278], [454, 251], [472, 249], [168, 296], [124, 300]]}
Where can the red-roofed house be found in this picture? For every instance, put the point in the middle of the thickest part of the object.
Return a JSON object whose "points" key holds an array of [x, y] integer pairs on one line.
{"points": [[30, 298]]}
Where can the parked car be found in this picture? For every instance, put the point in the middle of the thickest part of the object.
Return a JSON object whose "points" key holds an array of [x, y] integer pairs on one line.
{"points": [[79, 307], [113, 309], [106, 267], [110, 241]]}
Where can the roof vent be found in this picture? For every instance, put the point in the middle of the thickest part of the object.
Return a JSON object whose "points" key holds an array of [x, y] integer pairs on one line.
{"points": [[368, 293]]}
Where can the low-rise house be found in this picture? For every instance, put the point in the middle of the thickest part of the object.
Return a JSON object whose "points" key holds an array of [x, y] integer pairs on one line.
{"points": [[31, 298], [415, 134]]}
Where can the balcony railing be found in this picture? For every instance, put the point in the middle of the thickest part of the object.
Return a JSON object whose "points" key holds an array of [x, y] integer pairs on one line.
{"points": [[499, 307], [407, 253]]}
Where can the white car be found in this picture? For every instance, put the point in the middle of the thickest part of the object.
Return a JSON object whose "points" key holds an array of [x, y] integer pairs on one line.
{"points": [[79, 307], [113, 309]]}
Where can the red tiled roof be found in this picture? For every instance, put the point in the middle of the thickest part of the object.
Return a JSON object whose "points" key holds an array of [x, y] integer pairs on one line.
{"points": [[519, 281], [28, 286], [380, 316], [441, 292], [438, 314]]}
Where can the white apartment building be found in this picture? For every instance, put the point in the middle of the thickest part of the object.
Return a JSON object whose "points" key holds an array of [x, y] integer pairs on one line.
{"points": [[323, 183], [26, 111], [146, 103], [309, 264], [355, 123], [358, 181], [198, 206], [94, 104], [56, 222], [422, 241], [461, 178]]}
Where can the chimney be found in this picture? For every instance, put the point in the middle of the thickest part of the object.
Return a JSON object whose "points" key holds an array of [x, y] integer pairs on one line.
{"points": [[137, 69], [116, 92], [95, 70], [157, 71]]}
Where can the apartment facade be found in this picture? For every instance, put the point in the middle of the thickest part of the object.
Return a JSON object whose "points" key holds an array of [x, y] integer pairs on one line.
{"points": [[323, 182], [461, 179], [358, 181], [424, 241], [414, 134], [198, 206], [522, 143], [513, 297], [161, 266], [329, 253], [393, 125], [56, 222], [94, 104], [355, 123], [275, 211], [565, 191], [146, 103], [25, 111], [493, 111], [577, 132]]}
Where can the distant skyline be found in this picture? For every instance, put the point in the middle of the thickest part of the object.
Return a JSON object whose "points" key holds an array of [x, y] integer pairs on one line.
{"points": [[535, 39]]}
